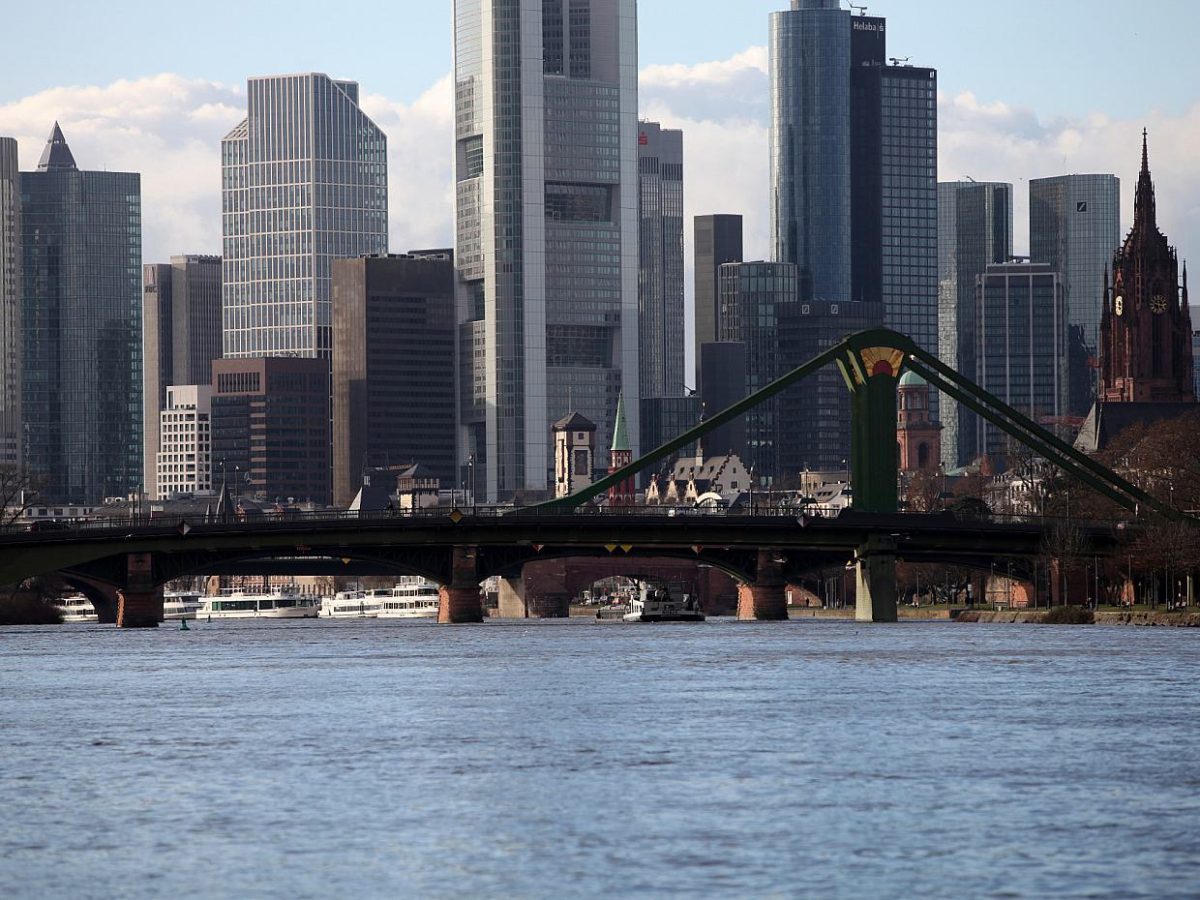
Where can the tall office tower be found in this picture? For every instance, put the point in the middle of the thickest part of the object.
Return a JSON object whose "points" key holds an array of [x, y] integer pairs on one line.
{"points": [[811, 145], [1075, 227], [723, 374], [304, 181], [666, 418], [975, 228], [183, 465], [660, 273], [270, 428], [81, 235], [393, 367], [181, 336], [10, 306], [547, 226], [1195, 356], [1020, 345], [718, 240]]}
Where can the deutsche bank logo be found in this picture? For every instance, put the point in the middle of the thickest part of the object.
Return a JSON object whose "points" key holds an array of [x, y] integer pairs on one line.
{"points": [[1081, 206]]}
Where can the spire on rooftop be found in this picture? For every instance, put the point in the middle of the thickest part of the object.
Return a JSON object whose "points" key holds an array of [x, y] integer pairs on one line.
{"points": [[1145, 214], [620, 431], [57, 155]]}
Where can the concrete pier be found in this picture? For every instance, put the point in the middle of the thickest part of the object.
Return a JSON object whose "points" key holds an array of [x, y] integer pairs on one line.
{"points": [[876, 581]]}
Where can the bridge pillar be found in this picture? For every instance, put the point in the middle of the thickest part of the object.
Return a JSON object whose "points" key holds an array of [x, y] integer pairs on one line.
{"points": [[140, 600], [875, 584], [459, 602], [766, 599], [512, 598]]}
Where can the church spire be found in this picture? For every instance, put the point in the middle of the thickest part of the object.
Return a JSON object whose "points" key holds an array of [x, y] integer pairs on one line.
{"points": [[1145, 215]]}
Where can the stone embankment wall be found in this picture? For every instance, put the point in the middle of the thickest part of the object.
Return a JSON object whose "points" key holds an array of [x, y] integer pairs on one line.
{"points": [[1144, 619]]}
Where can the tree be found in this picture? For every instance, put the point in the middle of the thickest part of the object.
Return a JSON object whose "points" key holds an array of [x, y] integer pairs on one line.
{"points": [[17, 492], [923, 492]]}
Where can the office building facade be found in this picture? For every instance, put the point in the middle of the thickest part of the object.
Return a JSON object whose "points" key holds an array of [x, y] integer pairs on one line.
{"points": [[81, 264], [10, 306], [183, 465], [1075, 228], [304, 181], [1020, 346], [547, 226], [181, 336], [393, 367], [270, 428], [975, 230], [718, 240], [660, 271], [666, 418], [723, 374]]}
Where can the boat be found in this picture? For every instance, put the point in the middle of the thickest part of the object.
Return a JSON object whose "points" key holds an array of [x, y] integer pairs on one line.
{"points": [[411, 598], [350, 605], [76, 608], [654, 605], [178, 605], [277, 605]]}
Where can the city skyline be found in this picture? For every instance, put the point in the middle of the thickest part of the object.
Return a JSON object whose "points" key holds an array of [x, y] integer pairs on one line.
{"points": [[992, 125]]}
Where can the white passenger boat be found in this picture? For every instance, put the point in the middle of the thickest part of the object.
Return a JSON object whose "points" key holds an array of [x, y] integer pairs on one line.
{"points": [[350, 605], [279, 605], [178, 605], [76, 609], [653, 605], [410, 598]]}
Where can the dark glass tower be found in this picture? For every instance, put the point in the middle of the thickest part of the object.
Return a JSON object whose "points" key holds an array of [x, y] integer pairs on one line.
{"points": [[10, 306], [718, 241], [660, 255], [82, 328]]}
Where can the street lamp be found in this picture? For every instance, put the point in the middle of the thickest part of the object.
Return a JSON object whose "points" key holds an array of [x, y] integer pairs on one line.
{"points": [[471, 470]]}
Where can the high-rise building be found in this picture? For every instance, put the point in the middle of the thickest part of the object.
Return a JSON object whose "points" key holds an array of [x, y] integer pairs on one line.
{"points": [[304, 181], [660, 276], [181, 336], [183, 465], [1195, 356], [975, 230], [1146, 332], [1020, 346], [547, 226], [723, 374], [270, 428], [393, 367], [718, 240], [811, 145], [666, 418], [81, 236], [10, 306], [1075, 227]]}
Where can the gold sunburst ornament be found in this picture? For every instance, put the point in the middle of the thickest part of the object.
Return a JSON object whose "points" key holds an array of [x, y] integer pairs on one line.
{"points": [[882, 361]]}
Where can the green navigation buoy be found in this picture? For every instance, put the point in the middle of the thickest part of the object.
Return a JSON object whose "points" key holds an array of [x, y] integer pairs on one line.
{"points": [[183, 626]]}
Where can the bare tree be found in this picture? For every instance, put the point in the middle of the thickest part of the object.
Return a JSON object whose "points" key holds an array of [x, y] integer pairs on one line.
{"points": [[17, 492]]}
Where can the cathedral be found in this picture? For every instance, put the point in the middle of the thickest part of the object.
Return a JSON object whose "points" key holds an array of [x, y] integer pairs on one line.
{"points": [[1146, 331]]}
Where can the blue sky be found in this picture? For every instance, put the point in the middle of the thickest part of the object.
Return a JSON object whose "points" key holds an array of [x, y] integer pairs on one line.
{"points": [[1061, 57]]}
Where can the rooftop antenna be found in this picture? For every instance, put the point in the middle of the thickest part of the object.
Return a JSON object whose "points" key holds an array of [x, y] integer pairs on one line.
{"points": [[897, 60], [861, 10]]}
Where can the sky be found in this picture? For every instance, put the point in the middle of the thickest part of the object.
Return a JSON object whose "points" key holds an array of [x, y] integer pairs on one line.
{"points": [[1043, 87]]}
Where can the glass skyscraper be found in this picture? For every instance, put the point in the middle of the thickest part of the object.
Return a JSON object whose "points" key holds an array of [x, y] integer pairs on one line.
{"points": [[10, 306], [1075, 228], [975, 230], [304, 182], [810, 145], [1021, 346], [660, 276], [81, 235], [547, 227], [718, 240]]}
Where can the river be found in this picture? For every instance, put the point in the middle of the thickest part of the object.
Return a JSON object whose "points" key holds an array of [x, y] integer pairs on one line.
{"points": [[580, 759]]}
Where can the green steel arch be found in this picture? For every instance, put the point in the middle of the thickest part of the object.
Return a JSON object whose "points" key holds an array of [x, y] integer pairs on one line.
{"points": [[872, 363]]}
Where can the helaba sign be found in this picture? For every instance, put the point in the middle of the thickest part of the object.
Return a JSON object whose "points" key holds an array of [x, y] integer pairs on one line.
{"points": [[866, 25]]}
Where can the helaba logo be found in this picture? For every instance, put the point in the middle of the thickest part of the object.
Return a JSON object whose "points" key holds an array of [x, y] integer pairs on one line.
{"points": [[860, 25]]}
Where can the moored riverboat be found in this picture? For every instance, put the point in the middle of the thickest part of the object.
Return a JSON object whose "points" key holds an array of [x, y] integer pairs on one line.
{"points": [[351, 605], [411, 598], [179, 605], [655, 605], [76, 609], [278, 605]]}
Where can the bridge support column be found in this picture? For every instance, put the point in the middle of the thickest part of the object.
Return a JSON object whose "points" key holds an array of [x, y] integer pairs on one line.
{"points": [[512, 598], [459, 602], [876, 581], [140, 601], [766, 599]]}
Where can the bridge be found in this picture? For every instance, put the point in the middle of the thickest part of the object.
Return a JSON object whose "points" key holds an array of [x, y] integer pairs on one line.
{"points": [[459, 548]]}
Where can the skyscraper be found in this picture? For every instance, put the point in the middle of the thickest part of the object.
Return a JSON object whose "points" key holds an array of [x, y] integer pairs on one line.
{"points": [[304, 181], [181, 336], [81, 236], [1020, 345], [660, 275], [1075, 227], [975, 227], [811, 145], [10, 305], [393, 367], [718, 240], [547, 226]]}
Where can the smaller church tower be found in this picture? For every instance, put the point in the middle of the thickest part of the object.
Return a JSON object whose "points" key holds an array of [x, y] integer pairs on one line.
{"points": [[625, 493], [574, 454], [919, 436]]}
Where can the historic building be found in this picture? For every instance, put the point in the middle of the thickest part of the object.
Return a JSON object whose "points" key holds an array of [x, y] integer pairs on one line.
{"points": [[1146, 332], [574, 454], [624, 493], [917, 432]]}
